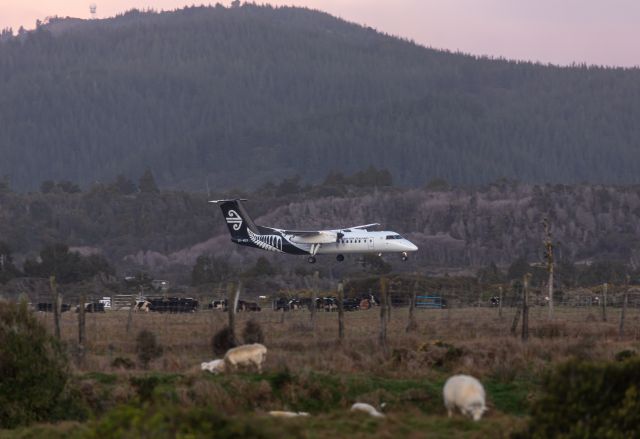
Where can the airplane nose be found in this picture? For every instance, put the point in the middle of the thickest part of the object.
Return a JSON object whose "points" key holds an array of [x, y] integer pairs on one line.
{"points": [[411, 247]]}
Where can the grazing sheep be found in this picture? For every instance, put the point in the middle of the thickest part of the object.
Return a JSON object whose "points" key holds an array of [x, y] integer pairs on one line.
{"points": [[366, 408], [467, 394], [215, 366], [245, 356], [283, 414]]}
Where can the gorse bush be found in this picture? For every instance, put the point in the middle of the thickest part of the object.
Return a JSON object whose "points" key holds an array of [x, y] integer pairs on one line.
{"points": [[586, 399], [222, 341], [252, 332], [33, 370], [147, 348]]}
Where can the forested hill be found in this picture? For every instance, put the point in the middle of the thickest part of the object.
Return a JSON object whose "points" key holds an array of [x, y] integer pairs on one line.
{"points": [[240, 96], [166, 231]]}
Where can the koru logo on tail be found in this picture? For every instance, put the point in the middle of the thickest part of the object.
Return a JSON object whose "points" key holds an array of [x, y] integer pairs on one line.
{"points": [[234, 219]]}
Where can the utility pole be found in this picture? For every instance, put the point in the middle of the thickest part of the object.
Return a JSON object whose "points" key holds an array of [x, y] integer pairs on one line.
{"points": [[548, 246]]}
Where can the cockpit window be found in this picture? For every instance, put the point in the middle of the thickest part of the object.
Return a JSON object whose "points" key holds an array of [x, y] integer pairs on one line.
{"points": [[394, 237]]}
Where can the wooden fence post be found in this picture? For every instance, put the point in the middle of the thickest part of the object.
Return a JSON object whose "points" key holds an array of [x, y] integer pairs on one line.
{"points": [[624, 308], [81, 320], [383, 315], [548, 244], [412, 325], [525, 307], [340, 311], [314, 297], [232, 306], [55, 305], [516, 319], [604, 302]]}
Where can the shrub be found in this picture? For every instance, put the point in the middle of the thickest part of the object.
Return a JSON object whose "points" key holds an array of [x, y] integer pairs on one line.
{"points": [[33, 370], [170, 421], [252, 333], [222, 341], [585, 399], [122, 363], [147, 348], [625, 355]]}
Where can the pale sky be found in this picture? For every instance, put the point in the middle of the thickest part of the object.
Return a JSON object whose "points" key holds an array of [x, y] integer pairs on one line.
{"points": [[604, 32]]}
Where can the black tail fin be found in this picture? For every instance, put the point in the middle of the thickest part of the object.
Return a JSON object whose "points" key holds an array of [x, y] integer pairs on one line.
{"points": [[238, 220]]}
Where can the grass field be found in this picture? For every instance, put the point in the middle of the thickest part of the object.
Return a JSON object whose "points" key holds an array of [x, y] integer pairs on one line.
{"points": [[308, 369]]}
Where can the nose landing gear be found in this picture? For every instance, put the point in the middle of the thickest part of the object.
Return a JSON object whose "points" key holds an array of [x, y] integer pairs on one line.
{"points": [[405, 256], [312, 259]]}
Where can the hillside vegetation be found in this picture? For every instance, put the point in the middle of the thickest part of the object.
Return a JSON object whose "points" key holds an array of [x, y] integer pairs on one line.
{"points": [[454, 228], [240, 96]]}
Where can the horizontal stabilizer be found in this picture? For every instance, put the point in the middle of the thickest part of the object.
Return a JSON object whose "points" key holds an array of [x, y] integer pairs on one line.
{"points": [[228, 200]]}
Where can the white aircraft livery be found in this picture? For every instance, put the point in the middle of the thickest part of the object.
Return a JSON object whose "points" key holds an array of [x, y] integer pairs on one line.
{"points": [[351, 240]]}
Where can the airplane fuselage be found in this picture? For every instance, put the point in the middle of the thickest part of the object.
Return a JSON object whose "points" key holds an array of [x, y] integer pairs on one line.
{"points": [[355, 240]]}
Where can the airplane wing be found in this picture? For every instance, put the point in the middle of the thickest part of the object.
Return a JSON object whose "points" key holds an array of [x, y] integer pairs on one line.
{"points": [[302, 232], [321, 232], [312, 236], [366, 226], [321, 236]]}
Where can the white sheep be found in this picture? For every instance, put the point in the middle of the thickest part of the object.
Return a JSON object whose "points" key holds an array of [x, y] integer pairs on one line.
{"points": [[467, 394], [215, 366], [366, 408], [283, 414], [245, 356]]}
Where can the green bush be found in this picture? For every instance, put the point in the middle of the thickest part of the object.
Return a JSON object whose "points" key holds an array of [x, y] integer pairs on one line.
{"points": [[252, 332], [147, 348], [170, 421], [588, 400], [222, 341], [33, 371]]}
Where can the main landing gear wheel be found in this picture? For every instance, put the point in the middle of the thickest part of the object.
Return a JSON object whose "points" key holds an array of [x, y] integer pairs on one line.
{"points": [[340, 258], [405, 256], [312, 259]]}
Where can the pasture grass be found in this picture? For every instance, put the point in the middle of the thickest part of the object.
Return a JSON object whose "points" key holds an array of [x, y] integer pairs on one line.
{"points": [[309, 369]]}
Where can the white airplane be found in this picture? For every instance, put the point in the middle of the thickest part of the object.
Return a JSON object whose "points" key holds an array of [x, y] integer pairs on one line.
{"points": [[337, 242]]}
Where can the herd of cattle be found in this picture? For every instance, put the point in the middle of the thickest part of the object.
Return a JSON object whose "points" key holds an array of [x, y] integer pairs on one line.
{"points": [[187, 305], [183, 305]]}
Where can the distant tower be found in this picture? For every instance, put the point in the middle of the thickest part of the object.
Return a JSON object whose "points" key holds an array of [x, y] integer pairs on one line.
{"points": [[92, 8]]}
